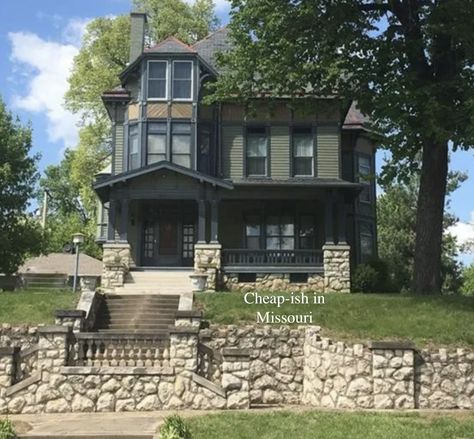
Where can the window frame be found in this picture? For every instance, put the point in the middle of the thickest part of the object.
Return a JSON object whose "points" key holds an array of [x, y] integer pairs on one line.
{"points": [[129, 145], [167, 80], [267, 155], [191, 98], [364, 258], [157, 132], [189, 134], [293, 150], [368, 183]]}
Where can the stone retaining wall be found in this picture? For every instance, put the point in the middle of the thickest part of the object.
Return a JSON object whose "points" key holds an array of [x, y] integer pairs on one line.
{"points": [[23, 336], [276, 359], [273, 282], [253, 365]]}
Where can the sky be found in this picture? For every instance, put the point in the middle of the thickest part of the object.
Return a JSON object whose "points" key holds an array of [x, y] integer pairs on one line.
{"points": [[38, 42]]}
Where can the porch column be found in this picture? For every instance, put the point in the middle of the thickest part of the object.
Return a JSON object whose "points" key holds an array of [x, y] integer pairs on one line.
{"points": [[341, 210], [329, 219], [201, 221], [124, 209], [214, 222], [111, 223]]}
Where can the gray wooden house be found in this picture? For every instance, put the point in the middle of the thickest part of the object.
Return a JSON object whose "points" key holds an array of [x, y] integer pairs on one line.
{"points": [[276, 198]]}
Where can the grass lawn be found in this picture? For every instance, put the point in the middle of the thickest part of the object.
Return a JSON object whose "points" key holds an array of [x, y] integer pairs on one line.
{"points": [[332, 425], [29, 307], [441, 320]]}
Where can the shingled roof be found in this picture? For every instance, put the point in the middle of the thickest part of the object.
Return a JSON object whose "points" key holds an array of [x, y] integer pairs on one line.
{"points": [[354, 119], [213, 43]]}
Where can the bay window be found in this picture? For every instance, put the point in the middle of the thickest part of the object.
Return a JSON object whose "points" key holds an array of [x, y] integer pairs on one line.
{"points": [[182, 80], [133, 147], [366, 241], [157, 79], [256, 151], [364, 171], [156, 142], [181, 144]]}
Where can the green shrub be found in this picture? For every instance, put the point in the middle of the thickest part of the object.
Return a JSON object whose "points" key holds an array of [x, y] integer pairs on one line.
{"points": [[174, 427], [6, 429], [371, 277]]}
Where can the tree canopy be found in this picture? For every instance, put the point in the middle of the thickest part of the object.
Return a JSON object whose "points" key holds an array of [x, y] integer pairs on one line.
{"points": [[408, 64], [19, 234]]}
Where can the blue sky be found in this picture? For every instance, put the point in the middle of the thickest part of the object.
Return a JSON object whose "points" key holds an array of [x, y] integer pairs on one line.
{"points": [[38, 40]]}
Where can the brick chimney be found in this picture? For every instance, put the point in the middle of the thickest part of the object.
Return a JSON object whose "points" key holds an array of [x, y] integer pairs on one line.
{"points": [[137, 34]]}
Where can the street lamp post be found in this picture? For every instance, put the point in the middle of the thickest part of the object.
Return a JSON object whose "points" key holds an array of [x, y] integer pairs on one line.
{"points": [[77, 239]]}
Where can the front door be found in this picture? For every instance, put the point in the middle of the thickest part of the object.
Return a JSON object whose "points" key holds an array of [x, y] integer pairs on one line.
{"points": [[168, 239]]}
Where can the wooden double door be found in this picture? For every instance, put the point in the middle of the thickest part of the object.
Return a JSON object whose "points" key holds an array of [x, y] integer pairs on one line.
{"points": [[168, 237]]}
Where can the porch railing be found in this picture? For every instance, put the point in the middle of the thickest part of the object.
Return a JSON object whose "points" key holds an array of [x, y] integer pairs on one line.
{"points": [[272, 257], [120, 350]]}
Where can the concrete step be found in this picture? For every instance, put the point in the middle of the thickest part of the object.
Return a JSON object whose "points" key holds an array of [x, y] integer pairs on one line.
{"points": [[85, 436]]}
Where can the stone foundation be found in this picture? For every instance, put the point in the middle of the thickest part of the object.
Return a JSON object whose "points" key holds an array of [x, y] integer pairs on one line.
{"points": [[207, 260], [115, 265], [337, 268], [273, 282]]}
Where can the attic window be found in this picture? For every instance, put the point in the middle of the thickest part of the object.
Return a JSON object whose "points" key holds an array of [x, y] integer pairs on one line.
{"points": [[182, 79], [157, 75]]}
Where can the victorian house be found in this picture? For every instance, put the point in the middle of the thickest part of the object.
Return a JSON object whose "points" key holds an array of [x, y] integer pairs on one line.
{"points": [[275, 198]]}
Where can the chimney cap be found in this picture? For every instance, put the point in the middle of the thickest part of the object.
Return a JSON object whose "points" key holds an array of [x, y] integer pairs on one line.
{"points": [[139, 14]]}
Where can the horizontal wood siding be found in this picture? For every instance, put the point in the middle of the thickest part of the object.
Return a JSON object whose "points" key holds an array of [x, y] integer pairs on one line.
{"points": [[232, 151], [119, 146], [328, 142], [280, 152]]}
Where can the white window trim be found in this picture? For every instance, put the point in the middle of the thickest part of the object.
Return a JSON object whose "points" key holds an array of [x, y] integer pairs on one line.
{"points": [[167, 79], [192, 81]]}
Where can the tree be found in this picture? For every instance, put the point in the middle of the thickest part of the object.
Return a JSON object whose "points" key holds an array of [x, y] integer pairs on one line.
{"points": [[20, 235], [396, 226], [408, 63], [468, 283]]}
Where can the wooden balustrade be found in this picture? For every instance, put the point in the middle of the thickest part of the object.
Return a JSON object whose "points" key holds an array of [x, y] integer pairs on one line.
{"points": [[272, 257], [121, 350]]}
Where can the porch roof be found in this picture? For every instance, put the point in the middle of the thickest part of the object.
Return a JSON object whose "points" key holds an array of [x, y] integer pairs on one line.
{"points": [[326, 183], [108, 182]]}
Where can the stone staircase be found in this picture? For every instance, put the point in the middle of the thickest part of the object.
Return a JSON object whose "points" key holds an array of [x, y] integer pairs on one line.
{"points": [[157, 282], [137, 313]]}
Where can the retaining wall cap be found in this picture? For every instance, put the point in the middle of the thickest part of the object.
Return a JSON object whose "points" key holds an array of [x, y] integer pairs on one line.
{"points": [[235, 352], [69, 313], [189, 313], [183, 330], [54, 330], [392, 345]]}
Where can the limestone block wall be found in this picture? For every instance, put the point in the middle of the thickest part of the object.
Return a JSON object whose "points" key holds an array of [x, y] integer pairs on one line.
{"points": [[116, 262], [23, 336], [276, 359], [444, 379], [207, 259], [273, 282], [336, 375], [337, 268]]}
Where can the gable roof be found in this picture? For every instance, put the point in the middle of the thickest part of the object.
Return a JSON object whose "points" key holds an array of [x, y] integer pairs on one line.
{"points": [[129, 175], [170, 45], [213, 43], [354, 119]]}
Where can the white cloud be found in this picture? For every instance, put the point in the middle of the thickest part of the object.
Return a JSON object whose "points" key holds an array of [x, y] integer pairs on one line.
{"points": [[219, 4], [45, 67], [463, 231], [74, 30]]}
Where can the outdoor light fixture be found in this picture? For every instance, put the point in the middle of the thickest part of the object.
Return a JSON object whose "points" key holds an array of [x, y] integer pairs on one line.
{"points": [[77, 239]]}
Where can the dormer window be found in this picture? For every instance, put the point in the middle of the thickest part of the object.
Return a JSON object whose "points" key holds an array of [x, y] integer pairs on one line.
{"points": [[157, 79], [182, 80]]}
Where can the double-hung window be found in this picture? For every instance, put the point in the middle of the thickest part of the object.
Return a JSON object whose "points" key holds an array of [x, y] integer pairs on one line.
{"points": [[306, 232], [364, 171], [157, 79], [182, 80], [280, 233], [252, 232], [156, 142], [133, 147], [303, 151], [256, 151], [181, 144], [366, 241]]}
